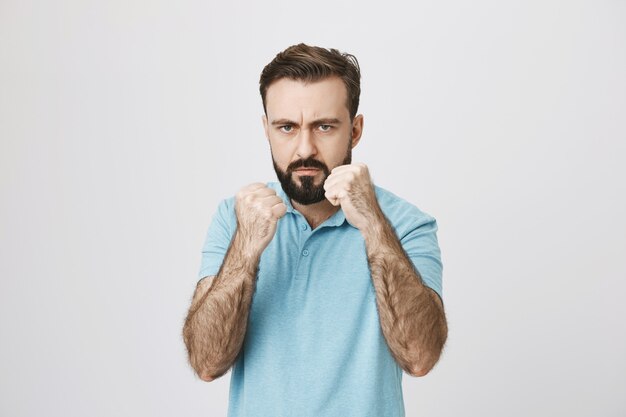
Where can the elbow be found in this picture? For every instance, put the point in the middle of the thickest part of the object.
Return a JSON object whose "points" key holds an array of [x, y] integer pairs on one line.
{"points": [[420, 366], [419, 370], [206, 377], [206, 372], [209, 373]]}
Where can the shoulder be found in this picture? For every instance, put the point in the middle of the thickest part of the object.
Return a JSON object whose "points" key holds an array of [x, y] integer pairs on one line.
{"points": [[403, 215], [224, 215], [226, 206]]}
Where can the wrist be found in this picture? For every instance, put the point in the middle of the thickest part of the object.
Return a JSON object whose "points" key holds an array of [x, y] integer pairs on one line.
{"points": [[375, 228], [247, 249]]}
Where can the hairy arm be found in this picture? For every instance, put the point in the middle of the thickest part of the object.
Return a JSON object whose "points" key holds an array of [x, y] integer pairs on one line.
{"points": [[216, 324], [411, 315]]}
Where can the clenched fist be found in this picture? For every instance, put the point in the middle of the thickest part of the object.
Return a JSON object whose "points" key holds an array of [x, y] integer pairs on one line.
{"points": [[351, 187], [258, 209]]}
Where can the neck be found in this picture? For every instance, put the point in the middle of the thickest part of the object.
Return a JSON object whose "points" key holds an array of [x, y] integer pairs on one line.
{"points": [[316, 214]]}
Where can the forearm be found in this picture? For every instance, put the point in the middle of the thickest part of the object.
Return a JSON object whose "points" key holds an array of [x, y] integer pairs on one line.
{"points": [[411, 315], [216, 325]]}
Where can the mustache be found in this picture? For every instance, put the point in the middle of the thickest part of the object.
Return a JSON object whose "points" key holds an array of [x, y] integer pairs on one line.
{"points": [[307, 163]]}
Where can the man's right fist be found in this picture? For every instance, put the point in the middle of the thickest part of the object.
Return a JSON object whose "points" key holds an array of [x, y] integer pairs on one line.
{"points": [[258, 209]]}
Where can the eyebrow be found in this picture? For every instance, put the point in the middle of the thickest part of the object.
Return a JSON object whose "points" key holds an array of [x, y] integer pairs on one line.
{"points": [[323, 121]]}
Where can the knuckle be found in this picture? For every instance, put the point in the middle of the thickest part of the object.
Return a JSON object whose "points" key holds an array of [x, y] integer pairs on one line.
{"points": [[248, 198]]}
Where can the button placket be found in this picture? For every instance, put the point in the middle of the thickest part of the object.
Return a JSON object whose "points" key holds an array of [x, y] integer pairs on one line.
{"points": [[305, 233]]}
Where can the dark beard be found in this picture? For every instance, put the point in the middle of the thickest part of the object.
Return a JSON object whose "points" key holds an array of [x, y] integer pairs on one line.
{"points": [[306, 193]]}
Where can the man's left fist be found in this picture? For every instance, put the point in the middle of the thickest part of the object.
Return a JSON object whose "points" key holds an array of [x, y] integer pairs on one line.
{"points": [[351, 187]]}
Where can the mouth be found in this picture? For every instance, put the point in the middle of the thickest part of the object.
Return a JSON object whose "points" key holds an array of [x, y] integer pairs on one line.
{"points": [[307, 171]]}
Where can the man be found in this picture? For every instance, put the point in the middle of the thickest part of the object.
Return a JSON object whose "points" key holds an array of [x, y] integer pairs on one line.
{"points": [[323, 288]]}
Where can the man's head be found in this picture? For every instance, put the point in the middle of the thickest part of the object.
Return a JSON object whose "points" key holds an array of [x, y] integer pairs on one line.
{"points": [[310, 64], [310, 97]]}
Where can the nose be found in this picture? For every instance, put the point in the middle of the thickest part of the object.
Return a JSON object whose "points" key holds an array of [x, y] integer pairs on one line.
{"points": [[306, 144]]}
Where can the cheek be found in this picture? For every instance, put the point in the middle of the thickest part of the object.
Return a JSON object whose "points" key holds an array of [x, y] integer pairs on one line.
{"points": [[334, 155], [281, 153]]}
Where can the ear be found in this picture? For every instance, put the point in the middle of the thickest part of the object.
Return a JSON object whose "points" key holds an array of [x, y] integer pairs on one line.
{"points": [[265, 126], [357, 129]]}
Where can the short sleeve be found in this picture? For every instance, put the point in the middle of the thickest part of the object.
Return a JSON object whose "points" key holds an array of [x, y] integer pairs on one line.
{"points": [[422, 247], [218, 239]]}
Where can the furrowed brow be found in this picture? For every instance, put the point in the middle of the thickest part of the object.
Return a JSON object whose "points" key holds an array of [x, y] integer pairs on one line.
{"points": [[283, 122], [327, 121]]}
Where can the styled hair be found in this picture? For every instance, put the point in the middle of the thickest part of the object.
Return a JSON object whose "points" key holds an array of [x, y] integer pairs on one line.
{"points": [[311, 63]]}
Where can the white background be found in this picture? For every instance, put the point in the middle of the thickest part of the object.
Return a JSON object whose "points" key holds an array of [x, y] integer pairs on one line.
{"points": [[123, 123]]}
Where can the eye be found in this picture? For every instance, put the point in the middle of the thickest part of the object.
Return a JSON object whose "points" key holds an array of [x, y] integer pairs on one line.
{"points": [[325, 128], [286, 128]]}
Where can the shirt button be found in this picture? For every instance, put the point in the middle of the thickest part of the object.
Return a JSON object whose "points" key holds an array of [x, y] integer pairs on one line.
{"points": [[303, 227], [305, 252]]}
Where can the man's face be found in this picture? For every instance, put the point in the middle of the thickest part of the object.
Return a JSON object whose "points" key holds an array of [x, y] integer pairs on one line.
{"points": [[310, 133]]}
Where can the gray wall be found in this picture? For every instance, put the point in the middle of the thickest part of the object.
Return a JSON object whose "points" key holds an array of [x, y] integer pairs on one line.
{"points": [[123, 123]]}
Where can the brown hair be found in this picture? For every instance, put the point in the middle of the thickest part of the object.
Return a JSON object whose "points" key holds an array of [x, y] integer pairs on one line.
{"points": [[311, 63]]}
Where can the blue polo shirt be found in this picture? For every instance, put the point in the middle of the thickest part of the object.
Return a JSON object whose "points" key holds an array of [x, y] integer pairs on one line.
{"points": [[314, 345]]}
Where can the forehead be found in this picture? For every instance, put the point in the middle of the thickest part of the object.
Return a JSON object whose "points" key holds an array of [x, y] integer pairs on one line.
{"points": [[323, 98]]}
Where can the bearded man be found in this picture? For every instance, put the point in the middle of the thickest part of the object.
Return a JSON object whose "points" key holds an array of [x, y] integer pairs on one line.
{"points": [[322, 288]]}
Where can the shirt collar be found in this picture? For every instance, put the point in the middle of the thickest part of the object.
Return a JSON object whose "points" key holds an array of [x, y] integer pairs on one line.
{"points": [[281, 193]]}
